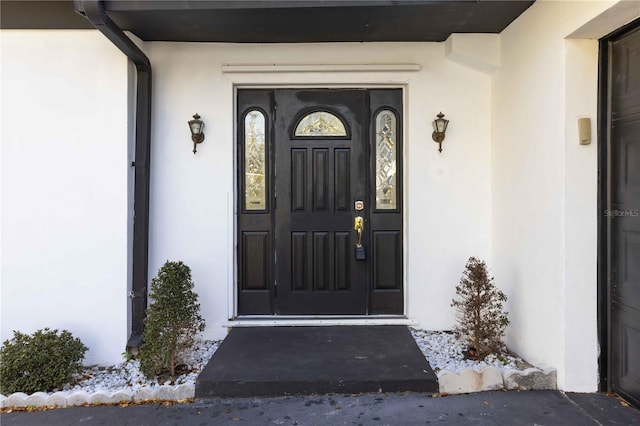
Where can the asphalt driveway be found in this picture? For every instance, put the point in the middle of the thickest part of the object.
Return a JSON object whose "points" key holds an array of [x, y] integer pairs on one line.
{"points": [[486, 408]]}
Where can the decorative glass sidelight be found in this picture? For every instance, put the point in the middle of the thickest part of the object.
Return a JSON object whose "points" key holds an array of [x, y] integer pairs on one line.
{"points": [[254, 161], [320, 123], [386, 158]]}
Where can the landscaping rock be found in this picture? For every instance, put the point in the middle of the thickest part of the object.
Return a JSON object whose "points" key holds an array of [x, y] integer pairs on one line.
{"points": [[3, 401], [18, 399], [469, 380], [491, 378], [58, 399], [77, 398], [37, 399], [144, 394], [531, 379], [124, 395], [185, 391], [100, 397], [164, 393], [456, 383]]}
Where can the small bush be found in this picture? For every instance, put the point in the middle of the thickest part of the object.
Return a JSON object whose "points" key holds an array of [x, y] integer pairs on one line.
{"points": [[481, 319], [173, 320], [43, 361]]}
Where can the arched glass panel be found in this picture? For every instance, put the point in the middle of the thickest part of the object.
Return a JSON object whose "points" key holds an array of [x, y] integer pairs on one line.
{"points": [[320, 123], [254, 161], [386, 160]]}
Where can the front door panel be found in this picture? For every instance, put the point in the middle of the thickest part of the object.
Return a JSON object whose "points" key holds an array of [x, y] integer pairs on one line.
{"points": [[321, 169], [330, 156], [624, 212]]}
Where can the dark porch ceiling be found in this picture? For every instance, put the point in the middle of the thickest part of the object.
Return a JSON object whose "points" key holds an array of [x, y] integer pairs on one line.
{"points": [[280, 21]]}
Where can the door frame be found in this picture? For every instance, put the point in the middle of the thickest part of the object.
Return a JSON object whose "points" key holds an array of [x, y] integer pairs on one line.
{"points": [[604, 192], [233, 290]]}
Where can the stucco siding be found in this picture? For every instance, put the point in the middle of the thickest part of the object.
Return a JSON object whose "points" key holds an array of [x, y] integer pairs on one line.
{"points": [[64, 187]]}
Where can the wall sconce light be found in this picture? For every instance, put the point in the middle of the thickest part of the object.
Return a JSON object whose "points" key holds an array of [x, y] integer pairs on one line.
{"points": [[439, 127], [197, 135]]}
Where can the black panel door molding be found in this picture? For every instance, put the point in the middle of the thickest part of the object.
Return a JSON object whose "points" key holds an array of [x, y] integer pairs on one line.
{"points": [[619, 242], [309, 162]]}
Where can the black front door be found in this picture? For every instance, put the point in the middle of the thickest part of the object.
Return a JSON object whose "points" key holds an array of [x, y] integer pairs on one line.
{"points": [[623, 214], [321, 169], [312, 163]]}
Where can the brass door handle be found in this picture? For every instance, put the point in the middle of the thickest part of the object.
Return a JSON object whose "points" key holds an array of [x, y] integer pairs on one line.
{"points": [[358, 225]]}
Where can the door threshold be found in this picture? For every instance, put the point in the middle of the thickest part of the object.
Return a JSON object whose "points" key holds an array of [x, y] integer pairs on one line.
{"points": [[302, 321]]}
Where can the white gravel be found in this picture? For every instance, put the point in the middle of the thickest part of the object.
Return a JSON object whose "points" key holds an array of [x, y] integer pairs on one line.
{"points": [[445, 353], [127, 374], [442, 349]]}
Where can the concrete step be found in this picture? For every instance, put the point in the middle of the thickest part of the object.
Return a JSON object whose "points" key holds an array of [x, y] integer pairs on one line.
{"points": [[276, 361]]}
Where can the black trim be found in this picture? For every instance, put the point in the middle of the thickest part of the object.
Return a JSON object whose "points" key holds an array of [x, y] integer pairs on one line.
{"points": [[94, 11], [602, 290], [40, 15]]}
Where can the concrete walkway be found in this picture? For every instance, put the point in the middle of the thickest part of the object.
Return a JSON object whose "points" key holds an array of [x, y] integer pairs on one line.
{"points": [[486, 408]]}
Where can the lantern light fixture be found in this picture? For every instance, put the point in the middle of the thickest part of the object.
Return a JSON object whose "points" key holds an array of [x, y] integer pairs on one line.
{"points": [[197, 135], [439, 128]]}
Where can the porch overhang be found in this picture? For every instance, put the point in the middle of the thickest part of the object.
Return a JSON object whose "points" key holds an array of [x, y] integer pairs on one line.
{"points": [[280, 21]]}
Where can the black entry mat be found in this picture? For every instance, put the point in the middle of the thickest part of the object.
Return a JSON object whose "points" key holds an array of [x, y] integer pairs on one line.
{"points": [[271, 361]]}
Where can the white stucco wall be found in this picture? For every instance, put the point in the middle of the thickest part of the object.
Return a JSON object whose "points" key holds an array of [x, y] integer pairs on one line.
{"points": [[544, 187], [447, 202], [64, 188]]}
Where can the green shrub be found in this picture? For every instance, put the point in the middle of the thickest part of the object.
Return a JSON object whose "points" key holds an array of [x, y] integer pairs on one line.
{"points": [[481, 319], [43, 361], [172, 322]]}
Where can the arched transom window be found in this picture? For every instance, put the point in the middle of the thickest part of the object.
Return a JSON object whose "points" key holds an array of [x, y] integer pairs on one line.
{"points": [[320, 123]]}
